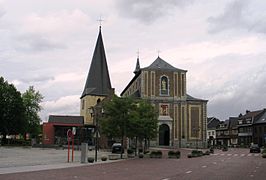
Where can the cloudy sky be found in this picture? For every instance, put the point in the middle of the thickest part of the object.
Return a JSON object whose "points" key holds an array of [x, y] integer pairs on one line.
{"points": [[49, 44]]}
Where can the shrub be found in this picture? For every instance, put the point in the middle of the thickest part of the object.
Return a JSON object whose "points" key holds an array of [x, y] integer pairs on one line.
{"points": [[146, 152], [173, 154], [103, 158], [130, 151], [263, 151], [141, 155], [90, 159], [264, 155], [156, 154]]}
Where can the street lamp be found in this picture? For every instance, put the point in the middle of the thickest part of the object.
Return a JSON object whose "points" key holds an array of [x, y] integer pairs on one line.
{"points": [[94, 111]]}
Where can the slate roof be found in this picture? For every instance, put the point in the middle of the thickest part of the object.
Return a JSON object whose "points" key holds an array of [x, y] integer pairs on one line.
{"points": [[212, 123], [160, 64], [190, 98], [66, 119], [261, 119], [98, 80], [137, 69], [233, 122]]}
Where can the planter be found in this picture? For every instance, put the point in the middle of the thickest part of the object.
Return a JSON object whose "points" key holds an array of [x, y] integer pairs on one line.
{"points": [[264, 155], [156, 154], [103, 158], [174, 154], [141, 155], [131, 155], [90, 159]]}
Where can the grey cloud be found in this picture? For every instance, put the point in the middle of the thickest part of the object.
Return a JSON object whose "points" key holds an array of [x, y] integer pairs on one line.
{"points": [[36, 42], [240, 14], [36, 79], [244, 89], [147, 11]]}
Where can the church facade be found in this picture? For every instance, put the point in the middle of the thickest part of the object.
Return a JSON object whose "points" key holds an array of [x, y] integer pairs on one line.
{"points": [[182, 118]]}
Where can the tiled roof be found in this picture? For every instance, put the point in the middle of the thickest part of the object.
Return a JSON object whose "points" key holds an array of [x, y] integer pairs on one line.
{"points": [[213, 123]]}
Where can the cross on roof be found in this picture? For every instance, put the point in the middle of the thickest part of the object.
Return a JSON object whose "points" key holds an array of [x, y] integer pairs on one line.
{"points": [[100, 20], [158, 51]]}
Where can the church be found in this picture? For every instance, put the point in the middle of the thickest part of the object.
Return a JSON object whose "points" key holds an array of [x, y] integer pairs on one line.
{"points": [[182, 118]]}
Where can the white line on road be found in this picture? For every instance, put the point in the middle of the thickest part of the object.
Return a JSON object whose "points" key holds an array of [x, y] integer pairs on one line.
{"points": [[229, 154], [256, 154], [165, 179], [249, 154], [222, 154], [235, 154], [188, 172], [203, 166], [242, 155]]}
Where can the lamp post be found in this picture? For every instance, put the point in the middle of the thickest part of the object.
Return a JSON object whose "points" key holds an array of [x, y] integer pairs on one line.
{"points": [[95, 114]]}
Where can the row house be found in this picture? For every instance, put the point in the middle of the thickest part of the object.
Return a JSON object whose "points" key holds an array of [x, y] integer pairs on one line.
{"points": [[250, 128], [222, 133]]}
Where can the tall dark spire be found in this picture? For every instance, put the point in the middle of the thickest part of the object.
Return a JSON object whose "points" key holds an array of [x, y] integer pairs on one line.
{"points": [[98, 80], [137, 69]]}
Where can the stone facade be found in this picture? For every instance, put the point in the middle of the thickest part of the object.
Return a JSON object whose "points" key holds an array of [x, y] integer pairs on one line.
{"points": [[182, 118]]}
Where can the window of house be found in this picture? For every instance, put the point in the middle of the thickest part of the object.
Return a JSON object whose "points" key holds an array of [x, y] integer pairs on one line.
{"points": [[209, 133], [240, 122], [212, 132], [164, 85], [248, 120]]}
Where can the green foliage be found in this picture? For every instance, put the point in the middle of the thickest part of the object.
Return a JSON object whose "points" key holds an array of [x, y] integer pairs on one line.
{"points": [[103, 158], [264, 155], [156, 154], [90, 159], [31, 101], [196, 153], [11, 110], [125, 117], [174, 154]]}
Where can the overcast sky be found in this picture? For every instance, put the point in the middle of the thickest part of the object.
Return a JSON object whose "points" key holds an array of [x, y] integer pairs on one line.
{"points": [[49, 44]]}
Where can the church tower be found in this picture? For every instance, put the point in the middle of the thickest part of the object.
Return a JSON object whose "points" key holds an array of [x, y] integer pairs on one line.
{"points": [[98, 84]]}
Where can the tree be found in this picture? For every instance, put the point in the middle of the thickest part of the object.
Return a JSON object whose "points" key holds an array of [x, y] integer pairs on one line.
{"points": [[127, 118], [11, 110], [31, 101], [116, 120], [147, 122]]}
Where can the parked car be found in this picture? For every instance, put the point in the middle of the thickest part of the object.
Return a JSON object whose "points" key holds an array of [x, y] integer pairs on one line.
{"points": [[254, 148], [117, 148]]}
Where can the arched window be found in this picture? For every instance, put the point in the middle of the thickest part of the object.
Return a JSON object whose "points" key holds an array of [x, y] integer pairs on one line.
{"points": [[164, 88]]}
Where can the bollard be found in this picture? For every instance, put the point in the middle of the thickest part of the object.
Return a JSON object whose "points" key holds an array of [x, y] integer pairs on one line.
{"points": [[84, 153]]}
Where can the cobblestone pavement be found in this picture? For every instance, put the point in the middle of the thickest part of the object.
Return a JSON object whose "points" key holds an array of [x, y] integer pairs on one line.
{"points": [[233, 164]]}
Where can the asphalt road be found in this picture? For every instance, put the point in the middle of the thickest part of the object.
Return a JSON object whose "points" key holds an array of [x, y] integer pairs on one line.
{"points": [[234, 164]]}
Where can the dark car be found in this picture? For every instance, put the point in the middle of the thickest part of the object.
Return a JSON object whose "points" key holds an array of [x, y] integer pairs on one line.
{"points": [[117, 148], [254, 148]]}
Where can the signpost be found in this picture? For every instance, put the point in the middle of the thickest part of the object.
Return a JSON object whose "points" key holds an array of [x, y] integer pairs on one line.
{"points": [[70, 137]]}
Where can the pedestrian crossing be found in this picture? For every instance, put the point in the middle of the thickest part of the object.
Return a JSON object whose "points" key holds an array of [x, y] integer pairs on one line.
{"points": [[237, 154]]}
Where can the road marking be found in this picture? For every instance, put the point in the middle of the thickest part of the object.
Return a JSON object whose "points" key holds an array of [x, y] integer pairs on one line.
{"points": [[251, 175], [229, 154], [255, 171], [235, 154], [214, 162], [242, 155], [257, 167], [188, 172], [249, 154], [222, 154], [203, 166], [165, 179], [256, 154]]}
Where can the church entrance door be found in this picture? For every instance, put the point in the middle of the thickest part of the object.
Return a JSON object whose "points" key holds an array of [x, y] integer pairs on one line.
{"points": [[164, 135]]}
